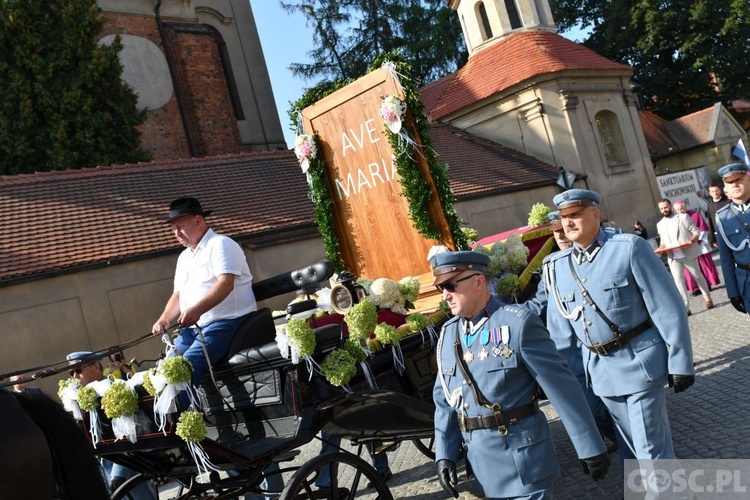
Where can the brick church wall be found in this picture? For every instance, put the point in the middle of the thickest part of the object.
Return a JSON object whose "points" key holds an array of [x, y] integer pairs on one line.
{"points": [[203, 85]]}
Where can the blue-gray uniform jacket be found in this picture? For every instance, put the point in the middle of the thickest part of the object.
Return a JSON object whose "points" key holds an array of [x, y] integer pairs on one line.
{"points": [[630, 284], [734, 250], [523, 461]]}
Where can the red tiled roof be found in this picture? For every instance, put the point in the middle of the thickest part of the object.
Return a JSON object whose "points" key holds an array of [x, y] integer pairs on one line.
{"points": [[665, 138], [431, 94], [57, 220], [656, 133], [512, 60], [480, 167]]}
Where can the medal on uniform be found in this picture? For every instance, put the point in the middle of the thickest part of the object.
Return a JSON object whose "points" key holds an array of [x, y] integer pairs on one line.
{"points": [[483, 354], [468, 356], [506, 351]]}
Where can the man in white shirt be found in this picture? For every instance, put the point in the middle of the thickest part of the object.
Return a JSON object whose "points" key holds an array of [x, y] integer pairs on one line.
{"points": [[212, 288], [678, 230]]}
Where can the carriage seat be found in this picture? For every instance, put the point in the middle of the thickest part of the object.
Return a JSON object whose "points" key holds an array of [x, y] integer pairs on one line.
{"points": [[258, 329], [263, 356]]}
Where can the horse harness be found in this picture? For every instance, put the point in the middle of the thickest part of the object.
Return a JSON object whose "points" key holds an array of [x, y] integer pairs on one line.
{"points": [[621, 338], [500, 418]]}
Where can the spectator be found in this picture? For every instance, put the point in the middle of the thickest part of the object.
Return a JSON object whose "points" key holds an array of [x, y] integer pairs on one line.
{"points": [[640, 230], [705, 259]]}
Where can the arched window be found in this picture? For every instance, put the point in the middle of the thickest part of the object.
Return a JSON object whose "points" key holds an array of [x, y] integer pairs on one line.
{"points": [[513, 17], [611, 137], [485, 27]]}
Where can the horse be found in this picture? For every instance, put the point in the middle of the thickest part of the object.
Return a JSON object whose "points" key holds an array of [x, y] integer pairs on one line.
{"points": [[44, 453]]}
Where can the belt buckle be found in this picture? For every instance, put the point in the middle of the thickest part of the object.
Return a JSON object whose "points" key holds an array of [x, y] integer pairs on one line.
{"points": [[501, 428], [600, 349]]}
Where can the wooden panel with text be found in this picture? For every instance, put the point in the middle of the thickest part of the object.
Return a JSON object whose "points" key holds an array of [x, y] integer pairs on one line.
{"points": [[377, 238]]}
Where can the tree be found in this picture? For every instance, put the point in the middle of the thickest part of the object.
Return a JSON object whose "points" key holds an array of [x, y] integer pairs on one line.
{"points": [[64, 104], [350, 34], [686, 54]]}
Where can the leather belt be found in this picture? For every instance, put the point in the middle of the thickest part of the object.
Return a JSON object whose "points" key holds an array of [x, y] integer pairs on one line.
{"points": [[604, 348], [742, 266], [507, 417]]}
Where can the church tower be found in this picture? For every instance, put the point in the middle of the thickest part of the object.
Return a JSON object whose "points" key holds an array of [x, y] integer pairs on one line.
{"points": [[486, 21], [528, 88]]}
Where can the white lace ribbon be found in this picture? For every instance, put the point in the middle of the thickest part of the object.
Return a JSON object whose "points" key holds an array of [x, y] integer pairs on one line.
{"points": [[369, 376]]}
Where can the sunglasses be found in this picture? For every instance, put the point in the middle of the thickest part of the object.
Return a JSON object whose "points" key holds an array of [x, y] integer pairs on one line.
{"points": [[77, 371], [451, 287]]}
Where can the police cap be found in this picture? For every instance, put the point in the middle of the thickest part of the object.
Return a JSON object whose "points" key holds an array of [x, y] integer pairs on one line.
{"points": [[554, 220], [733, 172], [575, 200], [77, 356], [448, 264]]}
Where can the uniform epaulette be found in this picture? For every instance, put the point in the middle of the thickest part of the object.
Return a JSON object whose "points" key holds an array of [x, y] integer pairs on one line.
{"points": [[722, 209], [557, 255], [624, 237], [514, 310], [452, 320]]}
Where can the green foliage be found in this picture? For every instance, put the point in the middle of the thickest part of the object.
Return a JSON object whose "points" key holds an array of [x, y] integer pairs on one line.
{"points": [[176, 369], [148, 384], [386, 334], [191, 426], [686, 54], [338, 367], [348, 34], [119, 401], [417, 322], [362, 319], [88, 399], [63, 384], [354, 348], [538, 215], [301, 337], [64, 104]]}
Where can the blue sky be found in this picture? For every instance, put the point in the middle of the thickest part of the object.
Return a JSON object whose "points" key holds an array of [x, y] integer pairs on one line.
{"points": [[286, 40]]}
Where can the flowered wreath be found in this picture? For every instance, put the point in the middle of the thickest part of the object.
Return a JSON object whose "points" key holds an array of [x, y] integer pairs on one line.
{"points": [[391, 110], [413, 184]]}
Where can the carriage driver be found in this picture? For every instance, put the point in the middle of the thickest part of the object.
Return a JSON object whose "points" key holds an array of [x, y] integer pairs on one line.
{"points": [[491, 359], [212, 288]]}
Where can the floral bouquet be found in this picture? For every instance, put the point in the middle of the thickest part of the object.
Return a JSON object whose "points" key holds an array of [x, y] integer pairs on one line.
{"points": [[120, 403], [339, 367], [67, 391], [306, 150], [507, 260], [391, 110], [538, 215], [173, 374], [192, 429]]}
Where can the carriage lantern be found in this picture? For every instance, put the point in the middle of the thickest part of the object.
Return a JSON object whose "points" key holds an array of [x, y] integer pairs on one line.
{"points": [[346, 292]]}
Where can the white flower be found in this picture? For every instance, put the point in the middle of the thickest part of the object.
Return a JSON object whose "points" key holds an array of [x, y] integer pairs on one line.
{"points": [[391, 110], [384, 293], [436, 250]]}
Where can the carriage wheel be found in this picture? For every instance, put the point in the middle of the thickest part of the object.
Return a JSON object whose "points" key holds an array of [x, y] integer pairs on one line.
{"points": [[426, 446], [349, 477]]}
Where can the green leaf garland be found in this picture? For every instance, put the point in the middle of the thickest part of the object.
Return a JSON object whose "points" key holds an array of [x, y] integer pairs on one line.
{"points": [[301, 337]]}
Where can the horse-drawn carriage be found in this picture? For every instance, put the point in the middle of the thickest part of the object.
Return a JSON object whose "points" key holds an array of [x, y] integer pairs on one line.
{"points": [[260, 408]]}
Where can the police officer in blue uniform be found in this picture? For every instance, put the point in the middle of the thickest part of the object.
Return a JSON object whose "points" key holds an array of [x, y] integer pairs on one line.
{"points": [[629, 319], [733, 234], [492, 358], [569, 347]]}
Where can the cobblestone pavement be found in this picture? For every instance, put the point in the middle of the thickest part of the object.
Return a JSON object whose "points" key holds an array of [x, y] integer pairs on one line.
{"points": [[708, 421]]}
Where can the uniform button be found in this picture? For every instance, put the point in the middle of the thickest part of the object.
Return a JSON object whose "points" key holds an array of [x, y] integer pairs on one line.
{"points": [[531, 439], [584, 280], [588, 323], [464, 382], [466, 406]]}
